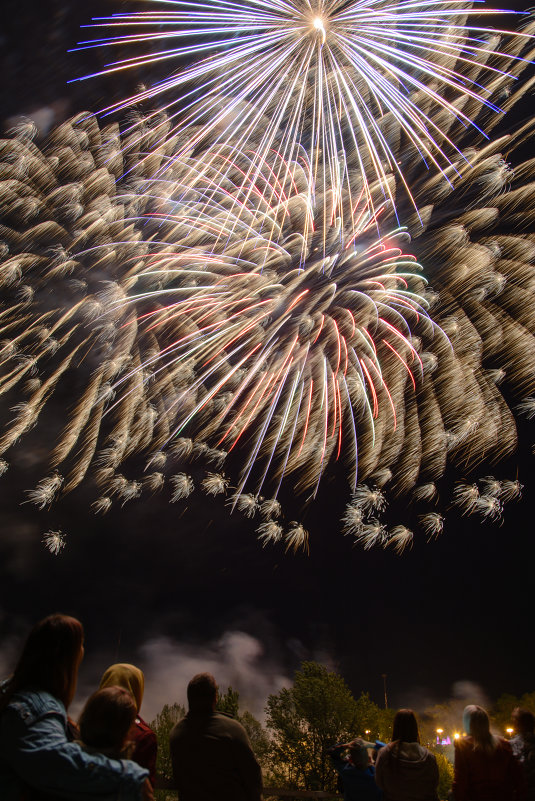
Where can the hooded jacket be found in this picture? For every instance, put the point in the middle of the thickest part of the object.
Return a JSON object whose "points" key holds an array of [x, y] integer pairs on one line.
{"points": [[35, 753], [407, 772]]}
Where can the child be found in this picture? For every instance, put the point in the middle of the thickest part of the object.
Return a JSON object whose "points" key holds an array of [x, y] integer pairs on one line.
{"points": [[145, 744], [356, 773], [105, 722]]}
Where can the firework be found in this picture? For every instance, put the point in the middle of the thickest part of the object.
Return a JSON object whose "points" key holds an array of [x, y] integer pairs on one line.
{"points": [[54, 541], [400, 537], [246, 332], [269, 532], [467, 497], [342, 80], [432, 524], [371, 533]]}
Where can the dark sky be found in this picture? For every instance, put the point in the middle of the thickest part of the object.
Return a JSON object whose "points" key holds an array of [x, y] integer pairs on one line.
{"points": [[458, 608]]}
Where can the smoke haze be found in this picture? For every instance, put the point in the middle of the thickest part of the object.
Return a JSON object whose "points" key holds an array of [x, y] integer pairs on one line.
{"points": [[236, 659]]}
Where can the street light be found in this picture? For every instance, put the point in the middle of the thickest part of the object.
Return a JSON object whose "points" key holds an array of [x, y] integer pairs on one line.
{"points": [[440, 732], [510, 732]]}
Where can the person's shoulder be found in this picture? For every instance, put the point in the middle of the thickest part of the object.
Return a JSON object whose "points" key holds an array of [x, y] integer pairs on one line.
{"points": [[229, 725], [31, 704], [144, 730], [463, 745], [179, 727], [224, 719], [383, 753]]}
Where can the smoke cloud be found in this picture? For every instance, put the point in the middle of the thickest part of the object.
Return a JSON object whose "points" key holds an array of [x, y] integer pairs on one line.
{"points": [[236, 659]]}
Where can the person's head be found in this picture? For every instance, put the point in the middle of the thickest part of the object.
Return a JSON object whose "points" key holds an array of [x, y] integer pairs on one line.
{"points": [[523, 720], [50, 658], [358, 753], [476, 724], [202, 693], [107, 717], [405, 727], [128, 676]]}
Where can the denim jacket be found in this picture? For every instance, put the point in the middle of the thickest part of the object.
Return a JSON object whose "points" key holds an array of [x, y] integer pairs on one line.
{"points": [[35, 754]]}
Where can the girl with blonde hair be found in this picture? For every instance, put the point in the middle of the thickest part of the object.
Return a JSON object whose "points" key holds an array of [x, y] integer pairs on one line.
{"points": [[485, 768]]}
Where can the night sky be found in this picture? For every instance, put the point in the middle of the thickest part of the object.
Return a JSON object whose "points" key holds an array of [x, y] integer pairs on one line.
{"points": [[169, 589]]}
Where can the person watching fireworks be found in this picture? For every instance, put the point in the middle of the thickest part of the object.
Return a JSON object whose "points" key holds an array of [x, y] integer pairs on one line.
{"points": [[485, 768], [523, 745], [36, 753], [405, 770], [211, 754], [105, 723], [145, 748], [356, 773]]}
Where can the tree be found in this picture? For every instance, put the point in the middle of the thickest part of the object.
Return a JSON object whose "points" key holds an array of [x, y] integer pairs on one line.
{"points": [[385, 723], [229, 702], [501, 712], [503, 708], [162, 725], [374, 723], [258, 737], [318, 711], [445, 775]]}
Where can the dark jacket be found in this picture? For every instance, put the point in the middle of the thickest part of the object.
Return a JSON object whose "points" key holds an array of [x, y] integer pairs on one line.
{"points": [[37, 756], [407, 772], [482, 776], [359, 784], [523, 746], [212, 759]]}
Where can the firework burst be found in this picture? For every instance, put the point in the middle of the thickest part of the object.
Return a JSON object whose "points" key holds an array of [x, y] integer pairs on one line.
{"points": [[209, 338], [342, 80], [245, 330]]}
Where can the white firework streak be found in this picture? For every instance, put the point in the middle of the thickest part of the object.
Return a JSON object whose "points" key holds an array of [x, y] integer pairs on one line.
{"points": [[339, 79], [54, 541]]}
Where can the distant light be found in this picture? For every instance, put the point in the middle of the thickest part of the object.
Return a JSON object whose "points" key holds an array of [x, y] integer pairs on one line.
{"points": [[456, 735], [509, 731], [439, 731]]}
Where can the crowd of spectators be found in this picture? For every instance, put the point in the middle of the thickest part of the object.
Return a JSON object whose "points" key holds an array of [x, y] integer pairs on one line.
{"points": [[111, 752], [487, 767]]}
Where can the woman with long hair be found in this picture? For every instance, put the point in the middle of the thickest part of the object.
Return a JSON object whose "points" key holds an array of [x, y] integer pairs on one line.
{"points": [[36, 754], [485, 768], [405, 770]]}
